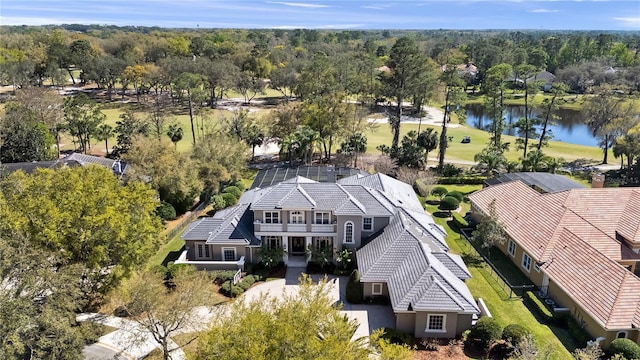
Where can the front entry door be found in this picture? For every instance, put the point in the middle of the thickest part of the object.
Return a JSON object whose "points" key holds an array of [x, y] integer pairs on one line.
{"points": [[297, 246]]}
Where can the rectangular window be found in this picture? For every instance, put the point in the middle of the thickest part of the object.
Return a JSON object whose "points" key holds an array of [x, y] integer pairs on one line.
{"points": [[323, 242], [272, 242], [367, 224], [207, 251], [271, 217], [536, 267], [376, 289], [296, 217], [526, 261], [199, 250], [512, 248], [436, 323], [229, 254], [322, 218]]}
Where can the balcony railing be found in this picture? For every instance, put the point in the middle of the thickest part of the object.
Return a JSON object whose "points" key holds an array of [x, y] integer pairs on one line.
{"points": [[323, 228], [297, 227], [260, 226], [211, 264]]}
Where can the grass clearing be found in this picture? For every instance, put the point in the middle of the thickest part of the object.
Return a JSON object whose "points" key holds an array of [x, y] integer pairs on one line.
{"points": [[172, 247], [557, 341], [479, 140]]}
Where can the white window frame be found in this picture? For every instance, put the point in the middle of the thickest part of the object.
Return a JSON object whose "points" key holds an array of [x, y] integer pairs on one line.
{"points": [[324, 216], [364, 228], [536, 267], [373, 289], [273, 241], [624, 334], [352, 239], [511, 248], [323, 240], [270, 216], [224, 253], [524, 262], [296, 217], [444, 323]]}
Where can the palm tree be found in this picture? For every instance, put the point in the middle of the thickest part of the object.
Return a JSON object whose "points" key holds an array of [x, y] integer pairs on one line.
{"points": [[490, 160], [536, 160], [553, 164], [175, 134], [103, 133], [428, 140]]}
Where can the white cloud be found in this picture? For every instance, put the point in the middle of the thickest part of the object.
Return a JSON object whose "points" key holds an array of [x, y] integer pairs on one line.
{"points": [[294, 4], [544, 11], [379, 6], [629, 22]]}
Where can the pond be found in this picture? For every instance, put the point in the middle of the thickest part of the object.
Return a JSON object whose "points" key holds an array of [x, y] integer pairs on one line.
{"points": [[569, 128]]}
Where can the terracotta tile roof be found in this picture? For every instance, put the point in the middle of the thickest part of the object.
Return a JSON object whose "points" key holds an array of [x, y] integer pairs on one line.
{"points": [[550, 227]]}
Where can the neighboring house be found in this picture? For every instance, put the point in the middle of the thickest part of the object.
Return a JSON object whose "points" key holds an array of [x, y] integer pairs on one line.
{"points": [[581, 247], [118, 167], [402, 253], [545, 77], [539, 181]]}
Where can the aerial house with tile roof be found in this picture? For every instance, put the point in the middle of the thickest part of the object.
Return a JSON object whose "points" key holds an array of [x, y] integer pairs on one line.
{"points": [[581, 247], [401, 252]]}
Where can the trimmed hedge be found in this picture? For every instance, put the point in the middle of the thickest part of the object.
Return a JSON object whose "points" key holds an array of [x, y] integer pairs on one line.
{"points": [[396, 336], [355, 295], [439, 191], [233, 190], [449, 203], [166, 211], [462, 180], [486, 331], [456, 194], [532, 299], [626, 348], [514, 333], [459, 221], [229, 199]]}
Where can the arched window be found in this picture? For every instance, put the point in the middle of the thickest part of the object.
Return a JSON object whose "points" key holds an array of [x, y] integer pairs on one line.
{"points": [[348, 232]]}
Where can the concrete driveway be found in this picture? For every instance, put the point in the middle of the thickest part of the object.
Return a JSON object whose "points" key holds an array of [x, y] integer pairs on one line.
{"points": [[370, 317]]}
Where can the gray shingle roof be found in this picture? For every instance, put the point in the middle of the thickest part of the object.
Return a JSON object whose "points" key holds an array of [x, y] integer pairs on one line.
{"points": [[545, 182], [403, 256], [233, 225]]}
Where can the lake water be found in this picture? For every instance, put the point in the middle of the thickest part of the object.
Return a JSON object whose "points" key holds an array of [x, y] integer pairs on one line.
{"points": [[570, 128]]}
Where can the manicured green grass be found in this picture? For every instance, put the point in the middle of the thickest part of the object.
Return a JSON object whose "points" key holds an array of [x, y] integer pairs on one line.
{"points": [[479, 140], [174, 245], [505, 310]]}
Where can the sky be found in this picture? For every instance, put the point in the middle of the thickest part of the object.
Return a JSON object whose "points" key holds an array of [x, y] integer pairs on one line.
{"points": [[331, 14]]}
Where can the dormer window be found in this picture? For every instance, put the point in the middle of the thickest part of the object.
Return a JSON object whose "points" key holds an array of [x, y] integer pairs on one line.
{"points": [[272, 217]]}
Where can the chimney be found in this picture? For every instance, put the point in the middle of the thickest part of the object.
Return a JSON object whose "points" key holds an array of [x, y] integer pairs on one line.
{"points": [[597, 181]]}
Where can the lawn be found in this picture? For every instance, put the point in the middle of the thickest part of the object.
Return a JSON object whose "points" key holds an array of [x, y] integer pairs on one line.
{"points": [[506, 310], [479, 140]]}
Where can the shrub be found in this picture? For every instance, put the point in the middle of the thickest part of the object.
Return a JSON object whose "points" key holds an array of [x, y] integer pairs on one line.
{"points": [[439, 191], [624, 347], [396, 336], [485, 332], [218, 202], [240, 185], [221, 276], [539, 306], [514, 333], [226, 288], [233, 190], [166, 211], [462, 180], [459, 221], [456, 194], [450, 170], [229, 199], [578, 332], [354, 288], [449, 203]]}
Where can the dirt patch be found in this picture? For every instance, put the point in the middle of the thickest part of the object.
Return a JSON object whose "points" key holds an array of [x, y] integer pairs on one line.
{"points": [[439, 349]]}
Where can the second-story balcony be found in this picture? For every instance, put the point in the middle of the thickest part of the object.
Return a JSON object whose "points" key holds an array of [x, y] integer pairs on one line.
{"points": [[323, 228], [297, 227], [260, 226]]}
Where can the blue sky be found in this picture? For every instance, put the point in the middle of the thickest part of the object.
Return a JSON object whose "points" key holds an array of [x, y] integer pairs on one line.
{"points": [[324, 14]]}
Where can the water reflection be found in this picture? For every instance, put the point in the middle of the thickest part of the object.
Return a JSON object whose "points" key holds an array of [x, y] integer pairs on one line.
{"points": [[569, 128]]}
